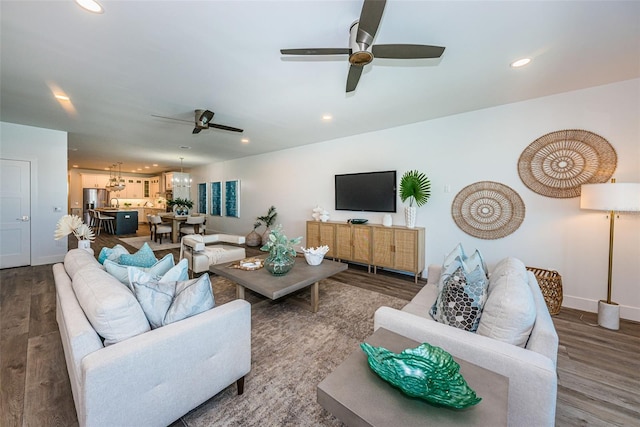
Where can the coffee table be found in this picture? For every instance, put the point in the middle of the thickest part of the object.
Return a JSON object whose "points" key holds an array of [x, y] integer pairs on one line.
{"points": [[273, 287], [359, 397]]}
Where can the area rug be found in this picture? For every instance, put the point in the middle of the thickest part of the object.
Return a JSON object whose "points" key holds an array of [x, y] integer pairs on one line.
{"points": [[137, 243], [292, 351]]}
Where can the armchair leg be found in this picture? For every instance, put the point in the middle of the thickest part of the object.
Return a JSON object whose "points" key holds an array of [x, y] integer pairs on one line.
{"points": [[240, 384]]}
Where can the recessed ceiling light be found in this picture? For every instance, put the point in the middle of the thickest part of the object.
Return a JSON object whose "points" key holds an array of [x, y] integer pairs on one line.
{"points": [[244, 140], [520, 62], [90, 5], [327, 117], [61, 97], [146, 167], [155, 164], [74, 166]]}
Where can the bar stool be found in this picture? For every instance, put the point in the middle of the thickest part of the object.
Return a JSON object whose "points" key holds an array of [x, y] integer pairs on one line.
{"points": [[106, 222]]}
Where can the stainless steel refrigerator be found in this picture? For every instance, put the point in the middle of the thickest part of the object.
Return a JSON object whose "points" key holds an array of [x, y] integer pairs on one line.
{"points": [[93, 198]]}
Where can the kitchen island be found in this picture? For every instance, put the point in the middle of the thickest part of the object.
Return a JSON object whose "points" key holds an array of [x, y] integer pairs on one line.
{"points": [[125, 222]]}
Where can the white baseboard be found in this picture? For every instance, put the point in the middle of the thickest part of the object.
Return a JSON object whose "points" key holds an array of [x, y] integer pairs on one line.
{"points": [[626, 311]]}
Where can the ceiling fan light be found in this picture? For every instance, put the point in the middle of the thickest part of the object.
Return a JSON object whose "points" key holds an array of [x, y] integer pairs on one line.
{"points": [[361, 58], [90, 5]]}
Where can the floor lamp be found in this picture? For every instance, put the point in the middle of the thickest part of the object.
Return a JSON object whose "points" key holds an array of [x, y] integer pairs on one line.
{"points": [[613, 198]]}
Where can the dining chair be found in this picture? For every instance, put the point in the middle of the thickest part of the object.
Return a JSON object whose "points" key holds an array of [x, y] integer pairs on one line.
{"points": [[193, 225], [160, 229]]}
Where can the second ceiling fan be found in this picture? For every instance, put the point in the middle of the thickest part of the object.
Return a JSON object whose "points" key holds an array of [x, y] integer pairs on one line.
{"points": [[361, 51]]}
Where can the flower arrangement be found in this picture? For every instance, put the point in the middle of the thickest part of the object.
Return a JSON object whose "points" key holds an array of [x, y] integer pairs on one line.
{"points": [[69, 224]]}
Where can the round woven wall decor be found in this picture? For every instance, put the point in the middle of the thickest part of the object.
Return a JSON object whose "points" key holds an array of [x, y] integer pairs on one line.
{"points": [[488, 210], [558, 163]]}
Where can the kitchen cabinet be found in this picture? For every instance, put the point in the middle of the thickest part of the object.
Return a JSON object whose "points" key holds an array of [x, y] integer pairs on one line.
{"points": [[134, 188], [91, 180]]}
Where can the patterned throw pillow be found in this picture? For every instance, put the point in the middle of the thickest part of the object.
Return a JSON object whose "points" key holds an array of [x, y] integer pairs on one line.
{"points": [[462, 298], [143, 258], [112, 254]]}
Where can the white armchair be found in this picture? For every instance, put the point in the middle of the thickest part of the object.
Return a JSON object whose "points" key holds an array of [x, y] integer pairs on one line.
{"points": [[194, 248]]}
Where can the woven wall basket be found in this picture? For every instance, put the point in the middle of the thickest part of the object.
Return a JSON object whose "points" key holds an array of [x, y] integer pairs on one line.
{"points": [[558, 163], [488, 210]]}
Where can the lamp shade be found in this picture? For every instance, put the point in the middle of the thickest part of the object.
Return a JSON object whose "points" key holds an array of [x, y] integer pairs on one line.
{"points": [[619, 197]]}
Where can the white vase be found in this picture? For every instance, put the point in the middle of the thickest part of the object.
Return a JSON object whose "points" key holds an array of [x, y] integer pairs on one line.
{"points": [[387, 221], [84, 244], [410, 216]]}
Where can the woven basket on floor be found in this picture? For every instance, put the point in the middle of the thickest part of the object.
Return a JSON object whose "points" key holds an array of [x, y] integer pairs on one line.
{"points": [[550, 283]]}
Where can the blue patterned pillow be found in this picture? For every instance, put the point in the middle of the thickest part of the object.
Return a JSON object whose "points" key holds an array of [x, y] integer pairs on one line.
{"points": [[112, 254], [461, 299], [143, 258]]}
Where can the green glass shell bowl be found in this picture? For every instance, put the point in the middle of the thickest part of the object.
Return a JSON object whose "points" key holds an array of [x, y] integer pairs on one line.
{"points": [[426, 372]]}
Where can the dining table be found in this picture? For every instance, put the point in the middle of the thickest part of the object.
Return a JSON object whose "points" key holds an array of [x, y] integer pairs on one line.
{"points": [[175, 224]]}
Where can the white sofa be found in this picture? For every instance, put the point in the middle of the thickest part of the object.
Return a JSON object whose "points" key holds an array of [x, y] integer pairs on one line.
{"points": [[194, 248], [155, 377], [531, 369]]}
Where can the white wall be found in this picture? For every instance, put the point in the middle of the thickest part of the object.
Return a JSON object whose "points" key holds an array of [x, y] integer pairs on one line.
{"points": [[458, 151], [46, 150]]}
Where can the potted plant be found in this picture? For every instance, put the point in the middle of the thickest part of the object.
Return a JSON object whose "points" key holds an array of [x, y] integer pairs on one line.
{"points": [[180, 206], [416, 187], [268, 220], [69, 224], [282, 253]]}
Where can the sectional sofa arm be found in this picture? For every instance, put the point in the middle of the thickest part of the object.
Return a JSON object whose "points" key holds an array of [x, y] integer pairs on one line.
{"points": [[155, 377], [532, 376]]}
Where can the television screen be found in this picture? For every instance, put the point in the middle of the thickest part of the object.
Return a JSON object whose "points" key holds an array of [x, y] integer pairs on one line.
{"points": [[371, 192]]}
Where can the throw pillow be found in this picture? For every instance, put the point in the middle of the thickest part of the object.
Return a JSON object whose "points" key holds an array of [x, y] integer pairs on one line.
{"points": [[143, 258], [112, 254], [192, 297], [110, 307], [157, 270], [457, 252], [510, 311], [462, 298], [165, 302]]}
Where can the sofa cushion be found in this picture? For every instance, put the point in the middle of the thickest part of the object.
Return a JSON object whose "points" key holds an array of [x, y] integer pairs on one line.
{"points": [[112, 254], [510, 311], [157, 270], [166, 301], [76, 259], [461, 300], [110, 306], [143, 258]]}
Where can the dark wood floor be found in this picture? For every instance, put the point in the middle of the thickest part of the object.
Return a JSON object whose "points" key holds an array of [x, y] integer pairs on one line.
{"points": [[598, 369]]}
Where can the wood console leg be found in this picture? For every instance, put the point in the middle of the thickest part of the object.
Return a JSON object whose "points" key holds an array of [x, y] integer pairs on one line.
{"points": [[240, 385], [239, 291], [315, 297]]}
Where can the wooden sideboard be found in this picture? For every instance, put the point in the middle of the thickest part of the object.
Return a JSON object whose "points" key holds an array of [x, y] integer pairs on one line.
{"points": [[396, 247]]}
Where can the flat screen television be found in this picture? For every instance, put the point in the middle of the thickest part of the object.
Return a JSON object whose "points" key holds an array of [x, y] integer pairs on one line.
{"points": [[370, 191]]}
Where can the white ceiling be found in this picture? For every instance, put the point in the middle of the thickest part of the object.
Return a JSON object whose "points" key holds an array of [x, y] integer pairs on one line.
{"points": [[144, 58]]}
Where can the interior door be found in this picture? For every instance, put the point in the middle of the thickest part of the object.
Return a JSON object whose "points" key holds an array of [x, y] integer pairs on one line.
{"points": [[15, 213]]}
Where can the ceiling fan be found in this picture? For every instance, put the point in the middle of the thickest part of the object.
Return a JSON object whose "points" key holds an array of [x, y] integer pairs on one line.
{"points": [[361, 52], [203, 121]]}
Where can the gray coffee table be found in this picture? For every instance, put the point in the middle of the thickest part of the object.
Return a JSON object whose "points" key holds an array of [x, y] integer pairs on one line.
{"points": [[359, 397], [273, 287]]}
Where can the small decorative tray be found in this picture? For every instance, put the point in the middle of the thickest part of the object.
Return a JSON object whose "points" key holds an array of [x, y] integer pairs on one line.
{"points": [[248, 264]]}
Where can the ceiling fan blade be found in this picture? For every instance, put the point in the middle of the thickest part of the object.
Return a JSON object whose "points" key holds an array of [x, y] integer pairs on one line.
{"points": [[317, 51], [206, 117], [406, 51], [172, 118], [354, 77], [223, 127], [370, 17], [196, 130]]}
